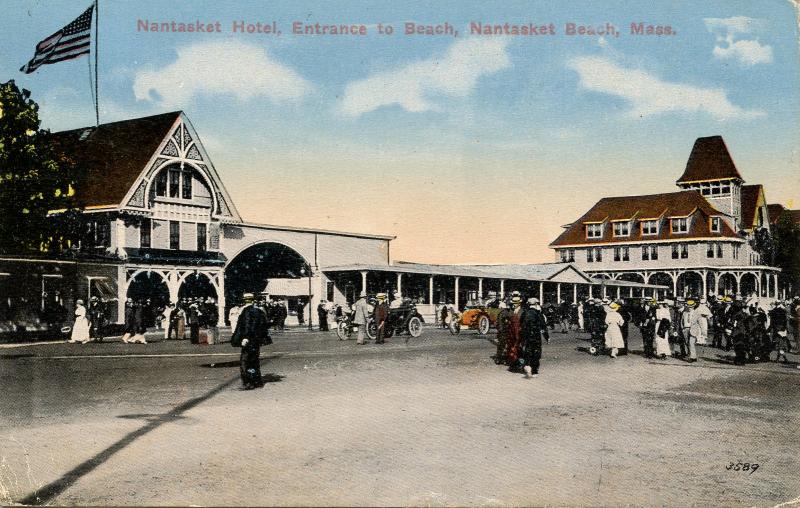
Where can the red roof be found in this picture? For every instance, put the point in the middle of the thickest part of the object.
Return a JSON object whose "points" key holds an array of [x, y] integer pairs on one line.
{"points": [[775, 211], [709, 160], [114, 154], [750, 194], [663, 206]]}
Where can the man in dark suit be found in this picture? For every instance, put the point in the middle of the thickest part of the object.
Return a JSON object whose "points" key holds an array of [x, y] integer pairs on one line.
{"points": [[381, 313], [252, 331]]}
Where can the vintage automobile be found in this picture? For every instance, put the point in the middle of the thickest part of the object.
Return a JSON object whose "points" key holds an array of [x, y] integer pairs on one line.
{"points": [[403, 319], [476, 316]]}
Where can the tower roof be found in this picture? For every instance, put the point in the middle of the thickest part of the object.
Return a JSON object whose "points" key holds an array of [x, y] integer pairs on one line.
{"points": [[709, 160]]}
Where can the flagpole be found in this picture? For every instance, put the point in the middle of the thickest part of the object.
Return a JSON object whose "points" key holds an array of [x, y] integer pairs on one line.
{"points": [[96, 51]]}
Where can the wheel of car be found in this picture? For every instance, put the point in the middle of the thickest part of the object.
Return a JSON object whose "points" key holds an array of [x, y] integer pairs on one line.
{"points": [[372, 330], [341, 330], [455, 327], [388, 332], [414, 327], [593, 350], [483, 325]]}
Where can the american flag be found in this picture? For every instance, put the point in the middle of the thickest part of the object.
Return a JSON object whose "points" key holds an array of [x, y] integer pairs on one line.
{"points": [[70, 42]]}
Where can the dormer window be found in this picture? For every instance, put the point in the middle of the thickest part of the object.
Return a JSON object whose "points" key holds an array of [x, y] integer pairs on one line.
{"points": [[174, 183], [649, 227], [622, 229], [715, 224], [680, 225], [594, 231]]}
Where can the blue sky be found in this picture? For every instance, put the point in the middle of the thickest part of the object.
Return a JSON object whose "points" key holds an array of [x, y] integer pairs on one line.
{"points": [[468, 148]]}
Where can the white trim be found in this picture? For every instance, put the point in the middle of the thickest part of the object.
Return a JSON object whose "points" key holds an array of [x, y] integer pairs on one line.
{"points": [[640, 242]]}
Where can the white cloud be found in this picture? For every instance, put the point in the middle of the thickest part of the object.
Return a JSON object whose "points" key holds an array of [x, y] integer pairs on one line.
{"points": [[411, 86], [220, 67], [730, 45], [648, 95]]}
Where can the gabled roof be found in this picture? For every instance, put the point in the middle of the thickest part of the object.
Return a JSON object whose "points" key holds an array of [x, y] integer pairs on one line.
{"points": [[775, 211], [673, 204], [113, 154], [752, 198], [709, 160]]}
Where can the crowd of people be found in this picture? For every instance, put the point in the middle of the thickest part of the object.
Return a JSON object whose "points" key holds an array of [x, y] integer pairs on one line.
{"points": [[521, 327], [670, 328]]}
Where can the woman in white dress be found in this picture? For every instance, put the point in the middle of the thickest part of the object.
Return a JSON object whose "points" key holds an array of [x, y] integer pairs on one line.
{"points": [[80, 329], [614, 321], [662, 331]]}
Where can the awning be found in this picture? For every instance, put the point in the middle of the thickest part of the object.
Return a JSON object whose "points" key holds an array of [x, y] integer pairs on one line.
{"points": [[287, 287]]}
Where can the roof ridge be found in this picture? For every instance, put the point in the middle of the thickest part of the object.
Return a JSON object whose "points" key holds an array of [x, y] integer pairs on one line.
{"points": [[127, 120]]}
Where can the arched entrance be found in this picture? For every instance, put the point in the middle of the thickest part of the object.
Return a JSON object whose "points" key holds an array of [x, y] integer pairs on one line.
{"points": [[149, 289], [747, 285], [148, 286], [197, 285], [251, 270], [727, 284], [661, 279], [690, 284], [633, 277]]}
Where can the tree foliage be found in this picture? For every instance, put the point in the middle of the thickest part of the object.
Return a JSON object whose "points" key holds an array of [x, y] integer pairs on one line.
{"points": [[34, 181], [786, 247]]}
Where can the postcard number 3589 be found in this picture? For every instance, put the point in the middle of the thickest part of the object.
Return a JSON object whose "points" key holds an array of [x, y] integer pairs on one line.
{"points": [[742, 466]]}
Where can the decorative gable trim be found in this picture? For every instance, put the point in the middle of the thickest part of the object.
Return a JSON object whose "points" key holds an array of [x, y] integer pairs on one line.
{"points": [[182, 147]]}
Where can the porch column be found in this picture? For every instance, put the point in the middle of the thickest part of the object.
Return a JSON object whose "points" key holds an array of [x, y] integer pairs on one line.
{"points": [[716, 283], [221, 298], [630, 292], [704, 275], [456, 299], [738, 276], [400, 283], [558, 292], [541, 292], [480, 288], [364, 282], [758, 284], [430, 290], [574, 292], [775, 278], [617, 292], [674, 277], [591, 293], [122, 292], [502, 288], [603, 292]]}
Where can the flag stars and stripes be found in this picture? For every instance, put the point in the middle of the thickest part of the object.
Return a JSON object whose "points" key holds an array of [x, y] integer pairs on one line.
{"points": [[70, 42]]}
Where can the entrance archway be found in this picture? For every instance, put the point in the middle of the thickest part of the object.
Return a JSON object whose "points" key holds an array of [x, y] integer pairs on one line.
{"points": [[149, 289], [747, 285], [197, 285], [251, 269], [727, 284], [690, 284], [148, 286]]}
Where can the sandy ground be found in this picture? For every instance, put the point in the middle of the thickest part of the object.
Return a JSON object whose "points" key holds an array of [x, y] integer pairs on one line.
{"points": [[434, 422]]}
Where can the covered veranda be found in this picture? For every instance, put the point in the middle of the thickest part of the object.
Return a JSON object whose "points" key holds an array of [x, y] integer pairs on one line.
{"points": [[432, 285]]}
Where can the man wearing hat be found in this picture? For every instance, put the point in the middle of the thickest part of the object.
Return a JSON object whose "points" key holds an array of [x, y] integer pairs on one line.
{"points": [[361, 316], [322, 315], [97, 319], [794, 316], [252, 331], [647, 326], [778, 321], [381, 312], [532, 329], [503, 317], [514, 329]]}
